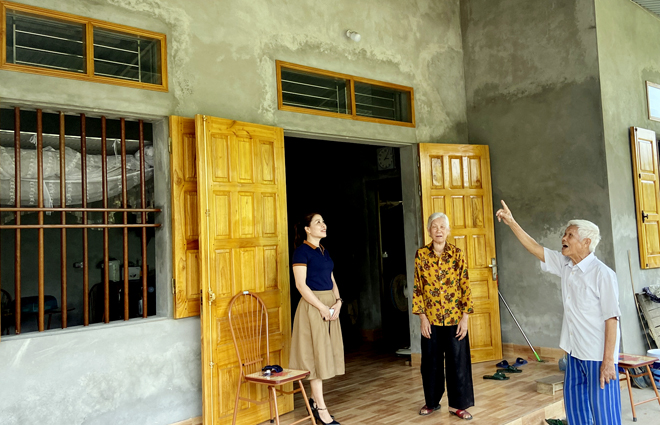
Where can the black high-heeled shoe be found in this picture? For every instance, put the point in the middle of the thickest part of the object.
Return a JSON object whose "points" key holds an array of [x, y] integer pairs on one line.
{"points": [[334, 422], [315, 410]]}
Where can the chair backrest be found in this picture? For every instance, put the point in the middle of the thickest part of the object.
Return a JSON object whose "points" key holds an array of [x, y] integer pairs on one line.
{"points": [[248, 321], [5, 301]]}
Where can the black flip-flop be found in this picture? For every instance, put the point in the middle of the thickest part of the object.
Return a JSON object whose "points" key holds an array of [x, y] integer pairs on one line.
{"points": [[510, 369], [498, 376]]}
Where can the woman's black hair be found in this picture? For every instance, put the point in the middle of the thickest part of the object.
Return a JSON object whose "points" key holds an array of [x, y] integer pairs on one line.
{"points": [[299, 229]]}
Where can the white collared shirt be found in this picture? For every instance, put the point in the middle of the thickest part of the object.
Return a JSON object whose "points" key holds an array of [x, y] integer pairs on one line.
{"points": [[590, 294]]}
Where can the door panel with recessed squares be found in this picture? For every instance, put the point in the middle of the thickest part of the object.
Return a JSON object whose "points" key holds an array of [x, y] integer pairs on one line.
{"points": [[455, 180], [242, 247], [647, 200]]}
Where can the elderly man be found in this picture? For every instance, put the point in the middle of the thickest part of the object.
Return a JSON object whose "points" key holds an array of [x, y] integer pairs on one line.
{"points": [[589, 331]]}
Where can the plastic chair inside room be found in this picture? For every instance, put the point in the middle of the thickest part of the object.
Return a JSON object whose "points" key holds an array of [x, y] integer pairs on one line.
{"points": [[248, 321], [6, 311]]}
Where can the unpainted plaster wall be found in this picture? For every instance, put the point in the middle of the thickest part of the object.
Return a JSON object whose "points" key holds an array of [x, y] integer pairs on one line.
{"points": [[221, 62], [628, 57], [533, 97]]}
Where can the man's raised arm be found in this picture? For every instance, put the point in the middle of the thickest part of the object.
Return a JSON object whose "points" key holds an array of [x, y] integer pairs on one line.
{"points": [[504, 214]]}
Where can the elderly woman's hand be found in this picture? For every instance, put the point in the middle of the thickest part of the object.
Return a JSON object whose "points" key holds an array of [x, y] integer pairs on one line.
{"points": [[425, 326], [504, 214], [462, 328]]}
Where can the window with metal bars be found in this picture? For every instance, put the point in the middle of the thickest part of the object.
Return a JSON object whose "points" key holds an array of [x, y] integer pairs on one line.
{"points": [[319, 92], [77, 220], [52, 43]]}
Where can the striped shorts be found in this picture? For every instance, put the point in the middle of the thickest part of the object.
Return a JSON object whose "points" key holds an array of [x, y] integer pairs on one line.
{"points": [[585, 402]]}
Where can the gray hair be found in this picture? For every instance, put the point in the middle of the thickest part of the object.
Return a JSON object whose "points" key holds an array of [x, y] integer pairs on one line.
{"points": [[587, 229], [436, 216]]}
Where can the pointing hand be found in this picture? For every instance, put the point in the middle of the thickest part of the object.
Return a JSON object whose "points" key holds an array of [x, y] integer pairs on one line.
{"points": [[504, 214]]}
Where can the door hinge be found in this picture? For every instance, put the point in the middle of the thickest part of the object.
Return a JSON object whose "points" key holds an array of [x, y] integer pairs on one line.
{"points": [[420, 189], [419, 163], [211, 364], [208, 213], [169, 144], [173, 286], [211, 296], [201, 297]]}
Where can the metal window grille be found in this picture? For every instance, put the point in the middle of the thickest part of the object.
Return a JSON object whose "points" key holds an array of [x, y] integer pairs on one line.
{"points": [[97, 159], [35, 39], [318, 92], [382, 102]]}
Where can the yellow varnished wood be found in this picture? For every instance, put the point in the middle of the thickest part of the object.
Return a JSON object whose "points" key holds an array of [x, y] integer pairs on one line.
{"points": [[185, 222], [455, 179], [242, 246], [647, 187]]}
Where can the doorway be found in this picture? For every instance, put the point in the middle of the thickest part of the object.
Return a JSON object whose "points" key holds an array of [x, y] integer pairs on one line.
{"points": [[360, 199]]}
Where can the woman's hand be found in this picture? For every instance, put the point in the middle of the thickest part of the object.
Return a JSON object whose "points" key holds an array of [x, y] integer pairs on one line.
{"points": [[462, 328], [425, 326], [337, 306], [325, 312]]}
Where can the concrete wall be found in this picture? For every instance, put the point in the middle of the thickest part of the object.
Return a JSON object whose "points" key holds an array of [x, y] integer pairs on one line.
{"points": [[221, 62], [628, 58], [533, 97]]}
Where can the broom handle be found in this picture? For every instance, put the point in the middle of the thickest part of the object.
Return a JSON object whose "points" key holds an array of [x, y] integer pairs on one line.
{"points": [[639, 313], [519, 327]]}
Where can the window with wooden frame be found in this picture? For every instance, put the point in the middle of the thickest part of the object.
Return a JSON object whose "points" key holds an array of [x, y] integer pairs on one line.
{"points": [[332, 94], [58, 44], [77, 220]]}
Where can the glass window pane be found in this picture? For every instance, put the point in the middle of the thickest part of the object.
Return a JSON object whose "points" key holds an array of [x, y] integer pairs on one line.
{"points": [[45, 42], [382, 102], [313, 91], [126, 56]]}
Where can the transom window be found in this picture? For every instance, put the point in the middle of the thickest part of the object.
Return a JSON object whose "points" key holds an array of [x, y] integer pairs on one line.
{"points": [[315, 91], [52, 43]]}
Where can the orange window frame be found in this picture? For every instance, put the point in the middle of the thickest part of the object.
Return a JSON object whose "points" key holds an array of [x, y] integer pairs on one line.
{"points": [[351, 80], [89, 24]]}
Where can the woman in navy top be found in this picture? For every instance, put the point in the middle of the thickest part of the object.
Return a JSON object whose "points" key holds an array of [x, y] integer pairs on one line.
{"points": [[316, 342]]}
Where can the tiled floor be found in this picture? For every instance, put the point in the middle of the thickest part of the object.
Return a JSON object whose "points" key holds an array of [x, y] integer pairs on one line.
{"points": [[381, 389]]}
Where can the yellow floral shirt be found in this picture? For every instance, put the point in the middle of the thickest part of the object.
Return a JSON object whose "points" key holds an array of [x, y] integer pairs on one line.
{"points": [[442, 287]]}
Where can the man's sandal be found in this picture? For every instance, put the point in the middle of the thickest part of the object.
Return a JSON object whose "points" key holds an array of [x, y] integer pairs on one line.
{"points": [[463, 414], [426, 411], [498, 376], [510, 369]]}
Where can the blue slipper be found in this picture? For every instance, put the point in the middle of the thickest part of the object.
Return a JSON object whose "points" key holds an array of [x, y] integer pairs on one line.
{"points": [[519, 362], [502, 364]]}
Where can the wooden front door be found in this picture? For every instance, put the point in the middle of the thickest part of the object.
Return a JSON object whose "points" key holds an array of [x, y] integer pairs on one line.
{"points": [[242, 247], [647, 200], [455, 180]]}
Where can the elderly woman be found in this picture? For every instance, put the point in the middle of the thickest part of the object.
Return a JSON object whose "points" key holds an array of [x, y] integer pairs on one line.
{"points": [[442, 299]]}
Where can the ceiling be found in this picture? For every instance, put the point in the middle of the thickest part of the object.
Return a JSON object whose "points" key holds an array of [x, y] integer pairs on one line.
{"points": [[651, 5]]}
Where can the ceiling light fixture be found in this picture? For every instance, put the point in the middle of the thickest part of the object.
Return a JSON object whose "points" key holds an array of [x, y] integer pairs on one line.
{"points": [[353, 35]]}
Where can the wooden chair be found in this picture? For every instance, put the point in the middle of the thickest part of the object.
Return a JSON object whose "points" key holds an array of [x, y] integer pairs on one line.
{"points": [[631, 361], [248, 321]]}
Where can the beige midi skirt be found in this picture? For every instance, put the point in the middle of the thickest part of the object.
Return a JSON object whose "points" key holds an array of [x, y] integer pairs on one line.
{"points": [[316, 344]]}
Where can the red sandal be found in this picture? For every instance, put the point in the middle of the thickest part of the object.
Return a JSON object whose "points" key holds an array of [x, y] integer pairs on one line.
{"points": [[424, 411], [463, 414]]}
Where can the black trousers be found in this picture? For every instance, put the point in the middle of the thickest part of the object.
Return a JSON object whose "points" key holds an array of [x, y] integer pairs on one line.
{"points": [[443, 355]]}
